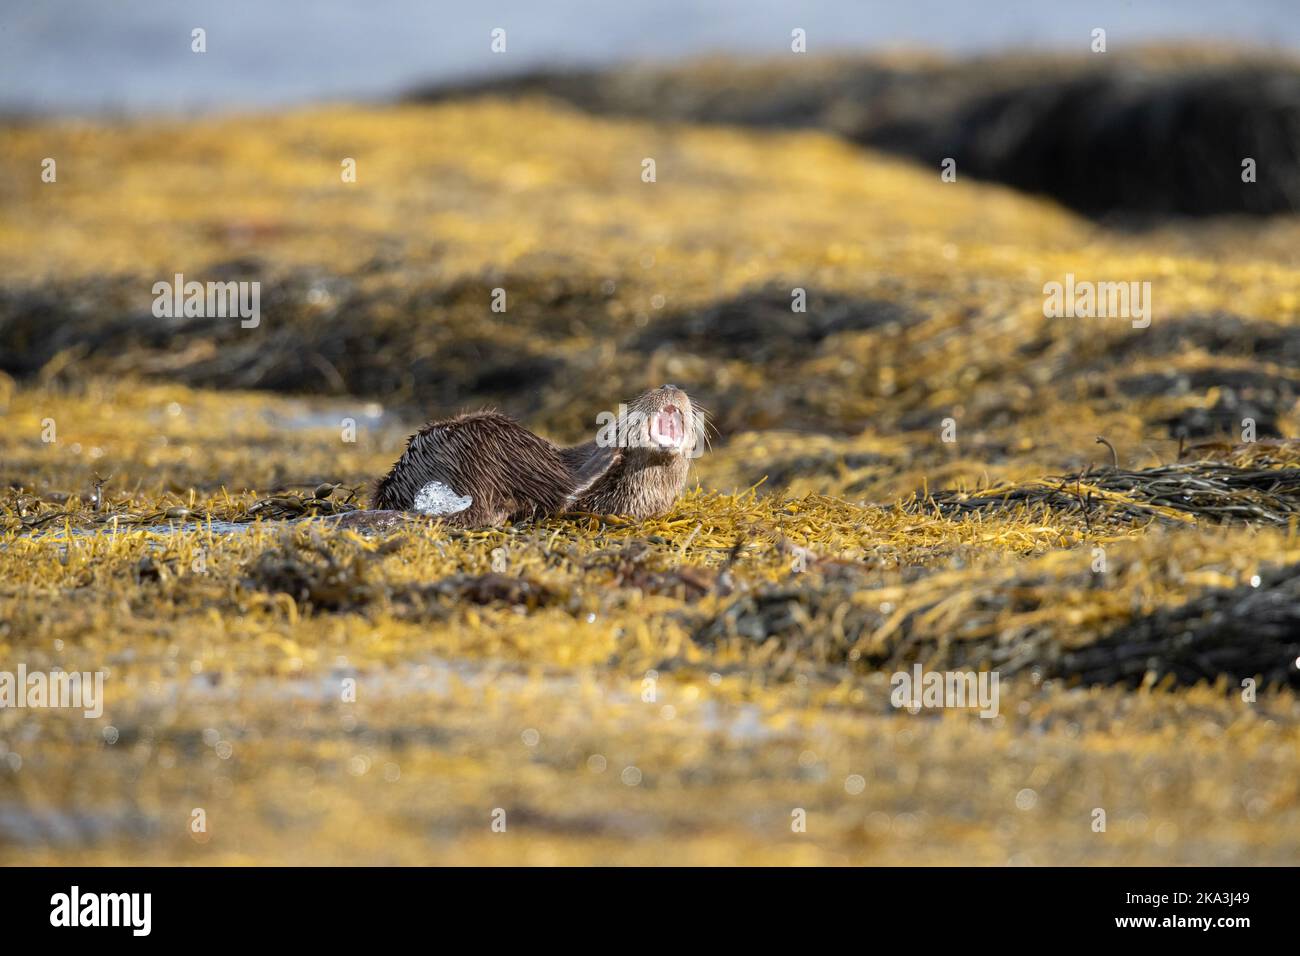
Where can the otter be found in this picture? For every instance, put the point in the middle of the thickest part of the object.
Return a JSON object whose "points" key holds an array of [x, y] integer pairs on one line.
{"points": [[483, 469]]}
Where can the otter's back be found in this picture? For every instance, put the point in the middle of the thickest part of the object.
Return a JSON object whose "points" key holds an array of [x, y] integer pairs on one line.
{"points": [[508, 472]]}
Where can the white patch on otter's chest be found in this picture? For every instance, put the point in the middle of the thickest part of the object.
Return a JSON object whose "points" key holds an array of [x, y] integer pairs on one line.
{"points": [[435, 498]]}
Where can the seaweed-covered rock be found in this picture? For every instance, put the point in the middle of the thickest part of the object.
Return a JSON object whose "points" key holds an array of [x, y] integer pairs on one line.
{"points": [[1247, 631]]}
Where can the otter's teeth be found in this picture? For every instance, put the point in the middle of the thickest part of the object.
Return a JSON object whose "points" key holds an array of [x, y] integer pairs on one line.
{"points": [[666, 428], [435, 498]]}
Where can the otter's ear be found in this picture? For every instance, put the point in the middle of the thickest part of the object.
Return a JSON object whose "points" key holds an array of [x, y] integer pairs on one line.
{"points": [[592, 468]]}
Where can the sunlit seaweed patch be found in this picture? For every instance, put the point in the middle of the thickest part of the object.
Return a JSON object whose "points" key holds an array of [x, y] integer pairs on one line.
{"points": [[176, 505]]}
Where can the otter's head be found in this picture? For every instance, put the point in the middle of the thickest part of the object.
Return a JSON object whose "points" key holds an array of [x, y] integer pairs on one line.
{"points": [[663, 421], [639, 462]]}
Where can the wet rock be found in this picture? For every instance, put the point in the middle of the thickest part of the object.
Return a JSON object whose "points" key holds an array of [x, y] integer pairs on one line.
{"points": [[1247, 631]]}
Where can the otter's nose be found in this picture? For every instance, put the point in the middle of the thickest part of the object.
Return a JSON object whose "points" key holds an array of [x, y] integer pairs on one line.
{"points": [[666, 387]]}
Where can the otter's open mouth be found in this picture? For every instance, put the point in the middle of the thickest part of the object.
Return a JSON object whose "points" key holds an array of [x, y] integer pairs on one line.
{"points": [[667, 428]]}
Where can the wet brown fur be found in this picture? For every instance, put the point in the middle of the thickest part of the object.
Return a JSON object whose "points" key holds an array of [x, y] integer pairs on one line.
{"points": [[513, 475]]}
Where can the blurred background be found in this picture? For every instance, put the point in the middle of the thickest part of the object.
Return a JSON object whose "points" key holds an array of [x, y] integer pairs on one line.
{"points": [[123, 56]]}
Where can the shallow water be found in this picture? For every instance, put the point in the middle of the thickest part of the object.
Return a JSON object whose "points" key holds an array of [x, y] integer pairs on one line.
{"points": [[216, 527], [330, 415], [361, 521], [60, 55]]}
